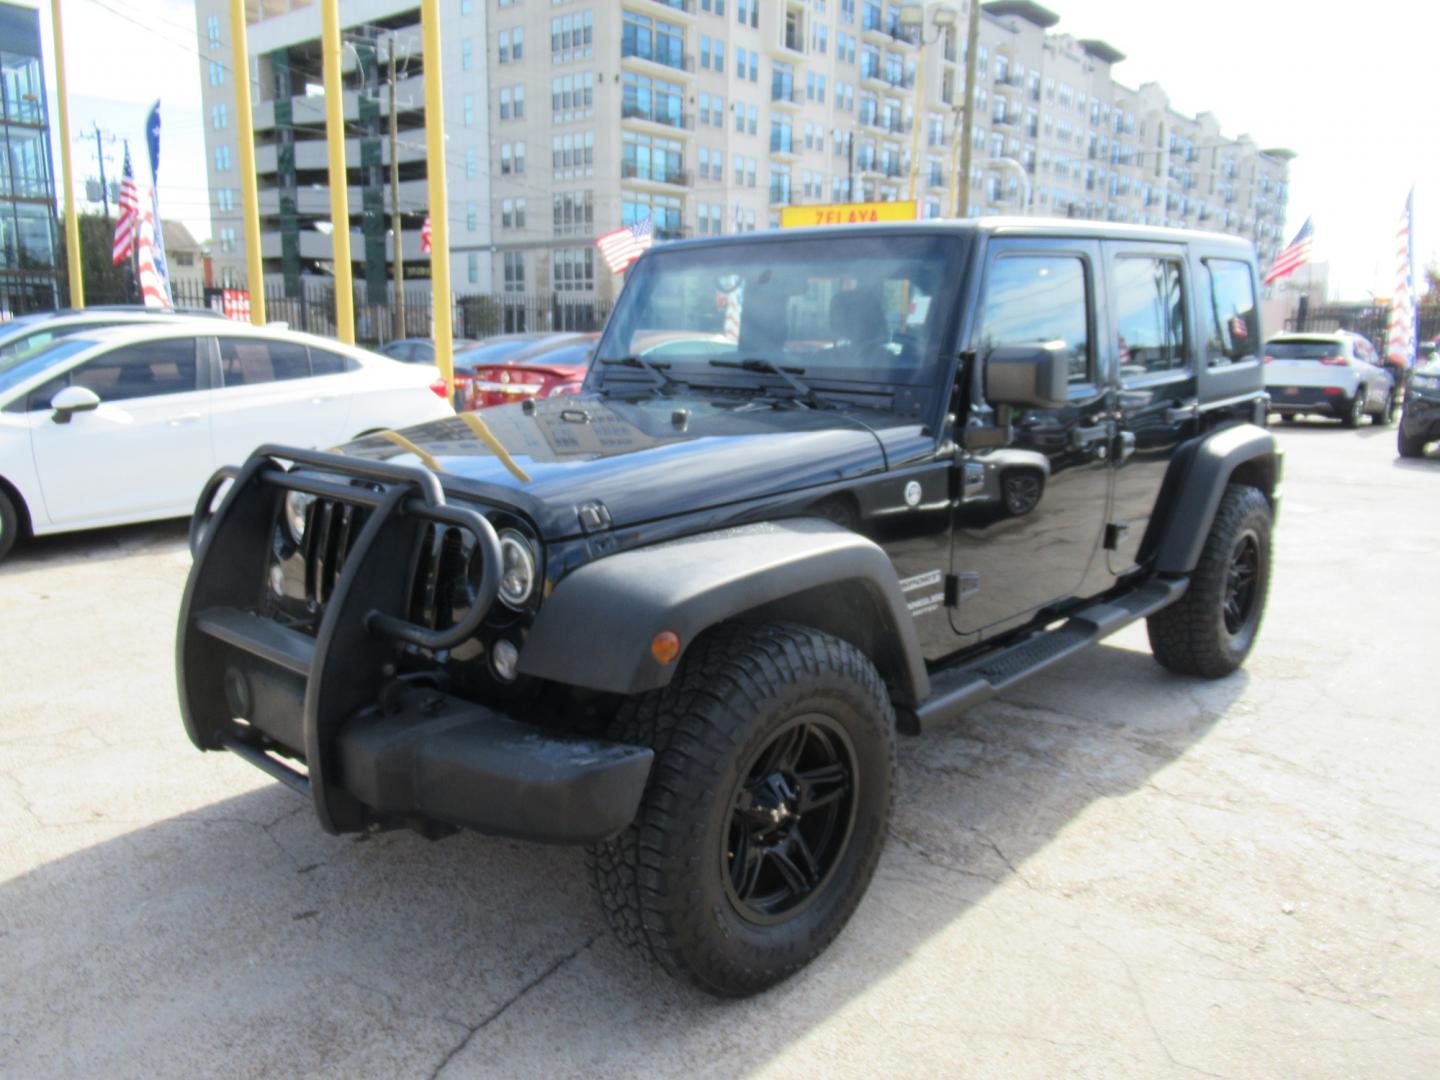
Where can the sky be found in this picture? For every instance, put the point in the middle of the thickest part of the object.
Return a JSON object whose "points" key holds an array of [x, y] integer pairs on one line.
{"points": [[1352, 90]]}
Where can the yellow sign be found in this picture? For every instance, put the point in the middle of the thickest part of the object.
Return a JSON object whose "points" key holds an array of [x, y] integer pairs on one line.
{"points": [[792, 217]]}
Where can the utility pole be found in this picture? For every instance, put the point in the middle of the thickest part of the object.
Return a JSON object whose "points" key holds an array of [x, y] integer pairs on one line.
{"points": [[395, 201], [100, 158], [972, 48]]}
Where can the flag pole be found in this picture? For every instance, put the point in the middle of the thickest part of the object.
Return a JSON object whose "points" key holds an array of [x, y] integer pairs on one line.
{"points": [[245, 132], [339, 180], [439, 204], [72, 223]]}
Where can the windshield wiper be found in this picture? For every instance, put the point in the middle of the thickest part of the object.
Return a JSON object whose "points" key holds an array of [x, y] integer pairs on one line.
{"points": [[802, 390], [652, 366]]}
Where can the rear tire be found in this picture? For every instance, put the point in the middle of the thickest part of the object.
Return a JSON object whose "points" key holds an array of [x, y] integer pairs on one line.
{"points": [[1212, 628], [1356, 410], [765, 812], [1386, 415], [9, 524]]}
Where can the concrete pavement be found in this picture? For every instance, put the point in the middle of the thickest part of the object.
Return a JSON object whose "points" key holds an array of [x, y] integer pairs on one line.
{"points": [[1108, 872]]}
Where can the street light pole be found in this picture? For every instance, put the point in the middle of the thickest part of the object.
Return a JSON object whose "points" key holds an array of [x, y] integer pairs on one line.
{"points": [[972, 48], [914, 15], [395, 200]]}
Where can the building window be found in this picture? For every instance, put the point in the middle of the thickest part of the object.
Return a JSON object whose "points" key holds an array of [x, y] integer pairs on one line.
{"points": [[217, 73], [572, 153], [663, 210], [472, 217], [653, 100], [212, 31], [467, 109], [472, 165], [572, 36], [574, 213], [645, 157], [220, 117], [575, 269], [505, 103], [650, 39], [222, 158], [467, 55], [514, 271], [464, 7], [472, 268]]}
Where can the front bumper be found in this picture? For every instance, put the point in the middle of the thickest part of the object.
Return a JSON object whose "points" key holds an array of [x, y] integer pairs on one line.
{"points": [[1421, 418], [329, 714]]}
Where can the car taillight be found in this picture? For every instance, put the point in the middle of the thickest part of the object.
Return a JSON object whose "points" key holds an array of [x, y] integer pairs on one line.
{"points": [[1333, 391], [564, 388], [1333, 361], [438, 386], [1269, 359]]}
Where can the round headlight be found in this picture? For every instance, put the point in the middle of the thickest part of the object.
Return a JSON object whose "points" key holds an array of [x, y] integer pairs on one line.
{"points": [[296, 504], [517, 568]]}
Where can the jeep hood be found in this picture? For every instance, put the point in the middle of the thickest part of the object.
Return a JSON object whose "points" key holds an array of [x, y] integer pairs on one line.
{"points": [[643, 460]]}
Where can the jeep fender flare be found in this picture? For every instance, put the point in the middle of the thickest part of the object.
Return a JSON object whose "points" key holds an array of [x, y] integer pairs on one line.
{"points": [[1196, 482], [595, 628]]}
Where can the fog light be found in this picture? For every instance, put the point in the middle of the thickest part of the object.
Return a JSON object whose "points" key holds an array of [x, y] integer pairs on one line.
{"points": [[505, 659]]}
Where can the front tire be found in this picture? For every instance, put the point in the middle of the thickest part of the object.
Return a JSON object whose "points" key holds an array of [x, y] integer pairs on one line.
{"points": [[1410, 446], [9, 524], [765, 812], [1212, 628]]}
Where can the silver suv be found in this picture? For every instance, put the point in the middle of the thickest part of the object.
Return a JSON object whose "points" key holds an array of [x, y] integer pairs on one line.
{"points": [[1338, 374]]}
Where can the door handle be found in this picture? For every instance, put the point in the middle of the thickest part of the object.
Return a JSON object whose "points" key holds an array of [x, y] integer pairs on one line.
{"points": [[1125, 446], [190, 418], [1180, 413], [322, 399]]}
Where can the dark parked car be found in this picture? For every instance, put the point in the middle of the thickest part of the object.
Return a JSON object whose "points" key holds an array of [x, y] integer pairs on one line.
{"points": [[1420, 419], [683, 616]]}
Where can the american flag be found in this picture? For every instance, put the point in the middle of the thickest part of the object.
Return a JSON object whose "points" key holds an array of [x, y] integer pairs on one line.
{"points": [[1400, 333], [623, 246], [425, 236], [1294, 256], [129, 205], [154, 285]]}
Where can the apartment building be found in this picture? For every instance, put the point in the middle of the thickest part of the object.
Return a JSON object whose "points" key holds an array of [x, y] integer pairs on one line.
{"points": [[568, 118]]}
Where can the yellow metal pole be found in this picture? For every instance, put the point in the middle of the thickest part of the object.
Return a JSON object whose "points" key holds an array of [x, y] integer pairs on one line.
{"points": [[439, 204], [245, 132], [72, 223], [339, 184]]}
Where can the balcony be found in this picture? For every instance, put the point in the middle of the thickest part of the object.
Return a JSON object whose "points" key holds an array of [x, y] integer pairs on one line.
{"points": [[784, 145], [787, 95], [667, 60], [653, 174], [675, 119]]}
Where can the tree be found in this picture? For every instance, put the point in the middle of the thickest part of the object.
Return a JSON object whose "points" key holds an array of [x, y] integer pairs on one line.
{"points": [[105, 283], [1431, 296]]}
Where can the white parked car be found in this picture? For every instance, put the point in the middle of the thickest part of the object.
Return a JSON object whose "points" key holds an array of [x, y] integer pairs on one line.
{"points": [[126, 424], [1337, 375], [31, 333]]}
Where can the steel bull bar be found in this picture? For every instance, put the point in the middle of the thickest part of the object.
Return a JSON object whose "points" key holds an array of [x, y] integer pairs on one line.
{"points": [[377, 749]]}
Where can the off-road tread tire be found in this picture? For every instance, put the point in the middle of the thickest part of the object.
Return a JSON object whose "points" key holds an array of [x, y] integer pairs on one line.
{"points": [[699, 727], [1408, 446], [9, 524], [1188, 637]]}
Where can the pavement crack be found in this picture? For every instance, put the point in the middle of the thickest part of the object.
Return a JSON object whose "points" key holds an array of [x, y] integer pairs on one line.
{"points": [[500, 1009]]}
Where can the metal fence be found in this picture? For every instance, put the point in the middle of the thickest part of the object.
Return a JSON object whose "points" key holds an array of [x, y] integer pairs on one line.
{"points": [[475, 315], [1368, 320]]}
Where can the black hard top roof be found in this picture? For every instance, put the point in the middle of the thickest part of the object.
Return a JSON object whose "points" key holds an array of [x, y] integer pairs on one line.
{"points": [[991, 226]]}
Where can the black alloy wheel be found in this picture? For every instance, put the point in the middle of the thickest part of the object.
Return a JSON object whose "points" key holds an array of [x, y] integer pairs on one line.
{"points": [[1240, 582], [1356, 411], [791, 816], [1021, 490]]}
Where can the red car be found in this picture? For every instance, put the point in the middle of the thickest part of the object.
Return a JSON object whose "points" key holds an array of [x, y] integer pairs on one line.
{"points": [[546, 367]]}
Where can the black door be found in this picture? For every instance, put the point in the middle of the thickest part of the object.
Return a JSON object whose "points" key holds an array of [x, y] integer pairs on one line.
{"points": [[1031, 515], [1149, 297]]}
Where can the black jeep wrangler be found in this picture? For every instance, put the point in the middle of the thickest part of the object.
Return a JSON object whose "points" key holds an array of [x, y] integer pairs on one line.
{"points": [[821, 487]]}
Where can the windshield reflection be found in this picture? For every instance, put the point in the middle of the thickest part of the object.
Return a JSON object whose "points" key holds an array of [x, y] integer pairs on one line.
{"points": [[863, 309]]}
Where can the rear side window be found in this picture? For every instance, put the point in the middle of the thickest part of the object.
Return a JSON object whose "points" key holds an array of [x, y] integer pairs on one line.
{"points": [[139, 371], [1304, 350], [1037, 299], [1234, 332], [253, 361], [325, 362], [1149, 316]]}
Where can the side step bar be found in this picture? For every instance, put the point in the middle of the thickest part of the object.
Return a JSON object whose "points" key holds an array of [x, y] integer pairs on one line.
{"points": [[954, 690]]}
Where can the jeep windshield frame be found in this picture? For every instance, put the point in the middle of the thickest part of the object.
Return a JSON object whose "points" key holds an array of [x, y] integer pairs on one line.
{"points": [[862, 312]]}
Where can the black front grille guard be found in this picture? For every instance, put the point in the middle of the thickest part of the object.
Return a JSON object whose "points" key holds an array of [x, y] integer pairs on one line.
{"points": [[343, 667]]}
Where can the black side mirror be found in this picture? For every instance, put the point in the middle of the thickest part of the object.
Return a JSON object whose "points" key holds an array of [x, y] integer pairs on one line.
{"points": [[1028, 376], [71, 400]]}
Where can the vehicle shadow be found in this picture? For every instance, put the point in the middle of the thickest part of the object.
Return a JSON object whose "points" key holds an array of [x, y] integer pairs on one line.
{"points": [[92, 544], [240, 939]]}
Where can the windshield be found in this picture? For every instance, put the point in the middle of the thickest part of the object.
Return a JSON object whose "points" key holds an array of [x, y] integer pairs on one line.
{"points": [[1304, 350], [852, 308], [15, 370]]}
